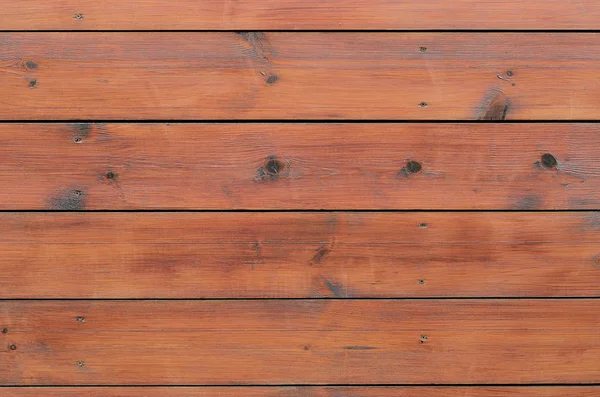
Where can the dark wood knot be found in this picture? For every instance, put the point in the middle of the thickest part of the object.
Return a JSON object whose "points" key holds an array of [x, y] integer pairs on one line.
{"points": [[549, 161]]}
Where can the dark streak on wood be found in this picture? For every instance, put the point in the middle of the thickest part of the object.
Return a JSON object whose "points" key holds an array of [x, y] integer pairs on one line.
{"points": [[529, 202], [334, 288], [72, 199], [497, 108], [359, 348]]}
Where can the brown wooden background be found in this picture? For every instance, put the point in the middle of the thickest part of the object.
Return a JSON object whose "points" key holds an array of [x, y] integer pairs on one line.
{"points": [[297, 198]]}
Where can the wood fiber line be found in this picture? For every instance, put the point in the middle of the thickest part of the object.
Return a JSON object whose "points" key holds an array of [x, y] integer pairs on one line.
{"points": [[298, 14], [300, 76], [87, 166]]}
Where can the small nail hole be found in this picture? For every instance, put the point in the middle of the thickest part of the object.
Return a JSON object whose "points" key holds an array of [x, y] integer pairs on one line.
{"points": [[78, 17], [80, 363], [413, 167], [423, 338], [5, 331], [423, 49], [421, 282], [32, 83], [423, 225], [111, 175], [77, 140], [423, 104], [80, 319], [78, 193], [549, 161], [510, 73], [12, 347]]}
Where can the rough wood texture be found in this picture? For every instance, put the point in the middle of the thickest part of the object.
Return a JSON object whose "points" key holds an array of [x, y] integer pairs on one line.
{"points": [[301, 342], [300, 391], [298, 14], [299, 255], [299, 166], [396, 76]]}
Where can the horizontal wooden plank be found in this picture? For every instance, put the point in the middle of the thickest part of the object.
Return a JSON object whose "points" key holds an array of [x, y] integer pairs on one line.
{"points": [[216, 76], [298, 14], [303, 391], [299, 255], [300, 342], [80, 166], [298, 315]]}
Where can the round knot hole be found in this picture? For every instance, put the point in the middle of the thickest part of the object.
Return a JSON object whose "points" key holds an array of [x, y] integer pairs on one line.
{"points": [[274, 166], [414, 167], [549, 161]]}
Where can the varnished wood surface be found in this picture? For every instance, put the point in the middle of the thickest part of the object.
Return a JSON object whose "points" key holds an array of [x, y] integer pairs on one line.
{"points": [[300, 342], [81, 166], [300, 76], [300, 391], [298, 14], [20, 317], [299, 255]]}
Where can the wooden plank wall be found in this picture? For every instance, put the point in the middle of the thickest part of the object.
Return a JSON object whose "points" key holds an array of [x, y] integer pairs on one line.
{"points": [[294, 198]]}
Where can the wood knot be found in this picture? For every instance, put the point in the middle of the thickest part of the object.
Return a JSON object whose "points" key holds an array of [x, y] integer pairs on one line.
{"points": [[30, 65], [272, 79], [273, 169], [549, 161], [597, 262], [496, 107], [414, 167]]}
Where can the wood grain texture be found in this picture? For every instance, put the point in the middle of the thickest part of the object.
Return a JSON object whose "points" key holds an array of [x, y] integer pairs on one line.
{"points": [[299, 255], [82, 166], [300, 342], [253, 75], [302, 391], [298, 14]]}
